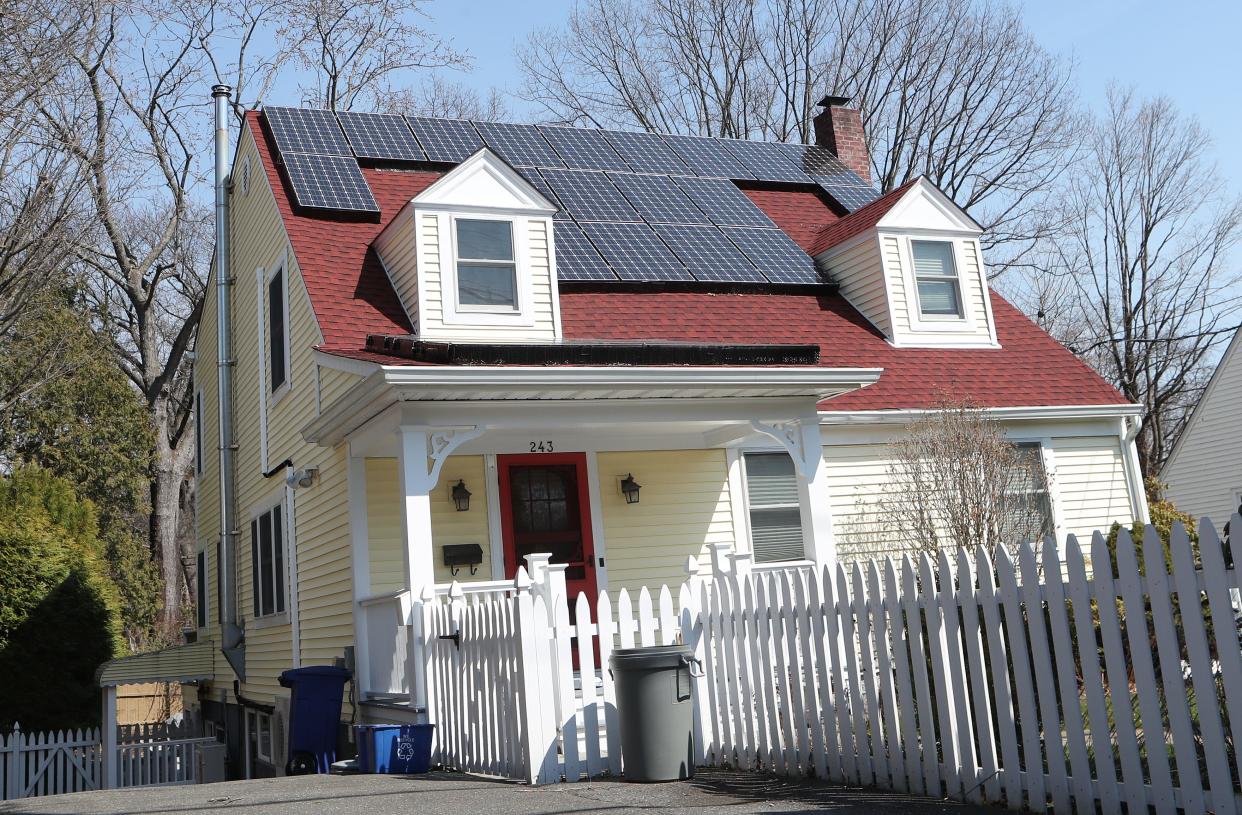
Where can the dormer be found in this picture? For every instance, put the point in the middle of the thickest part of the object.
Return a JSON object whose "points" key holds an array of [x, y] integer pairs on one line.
{"points": [[471, 256], [911, 263]]}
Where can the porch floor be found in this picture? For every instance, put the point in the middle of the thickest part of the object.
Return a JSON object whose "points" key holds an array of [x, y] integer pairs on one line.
{"points": [[450, 794]]}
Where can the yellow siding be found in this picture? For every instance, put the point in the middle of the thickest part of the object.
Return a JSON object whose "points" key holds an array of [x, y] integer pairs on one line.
{"points": [[860, 274], [684, 506], [207, 484], [448, 526], [1091, 481]]}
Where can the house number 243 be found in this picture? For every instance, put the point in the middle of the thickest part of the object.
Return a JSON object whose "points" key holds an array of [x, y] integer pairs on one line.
{"points": [[541, 447]]}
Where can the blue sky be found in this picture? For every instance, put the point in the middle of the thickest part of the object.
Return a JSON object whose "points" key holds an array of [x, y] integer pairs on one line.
{"points": [[1187, 51]]}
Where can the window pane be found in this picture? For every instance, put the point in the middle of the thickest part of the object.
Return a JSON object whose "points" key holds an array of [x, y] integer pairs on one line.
{"points": [[770, 479], [267, 602], [278, 558], [486, 285], [485, 240], [255, 580], [265, 736], [776, 534], [933, 259], [939, 297], [276, 329]]}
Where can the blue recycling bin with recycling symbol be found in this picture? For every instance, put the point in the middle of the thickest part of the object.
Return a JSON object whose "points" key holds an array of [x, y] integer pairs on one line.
{"points": [[401, 749]]}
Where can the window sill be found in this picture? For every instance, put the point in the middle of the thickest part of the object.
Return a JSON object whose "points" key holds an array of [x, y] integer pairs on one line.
{"points": [[270, 621], [277, 395]]}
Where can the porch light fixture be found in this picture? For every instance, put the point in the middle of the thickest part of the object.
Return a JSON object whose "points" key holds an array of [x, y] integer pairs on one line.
{"points": [[461, 496], [630, 488]]}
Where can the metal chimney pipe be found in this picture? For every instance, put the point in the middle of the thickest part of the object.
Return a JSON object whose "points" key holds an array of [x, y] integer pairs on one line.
{"points": [[226, 560]]}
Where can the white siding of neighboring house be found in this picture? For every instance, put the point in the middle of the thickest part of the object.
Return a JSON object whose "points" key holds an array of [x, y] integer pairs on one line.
{"points": [[1204, 472], [857, 269]]}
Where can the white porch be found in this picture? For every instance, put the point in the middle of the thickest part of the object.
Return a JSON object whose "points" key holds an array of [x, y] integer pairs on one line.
{"points": [[682, 434]]}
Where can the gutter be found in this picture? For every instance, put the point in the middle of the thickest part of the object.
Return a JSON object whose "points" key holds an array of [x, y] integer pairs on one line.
{"points": [[1034, 413], [233, 639]]}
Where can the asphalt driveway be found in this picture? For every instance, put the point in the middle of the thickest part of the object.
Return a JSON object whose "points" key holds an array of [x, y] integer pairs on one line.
{"points": [[455, 794]]}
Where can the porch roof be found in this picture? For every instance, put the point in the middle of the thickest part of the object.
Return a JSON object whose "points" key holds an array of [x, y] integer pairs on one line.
{"points": [[388, 385], [183, 663]]}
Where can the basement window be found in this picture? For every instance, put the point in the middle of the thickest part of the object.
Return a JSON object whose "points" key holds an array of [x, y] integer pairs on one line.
{"points": [[775, 514], [935, 276], [267, 561], [486, 265]]}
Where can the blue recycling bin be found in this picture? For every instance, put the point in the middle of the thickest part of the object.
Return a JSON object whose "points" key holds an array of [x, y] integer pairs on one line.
{"points": [[394, 748], [314, 713]]}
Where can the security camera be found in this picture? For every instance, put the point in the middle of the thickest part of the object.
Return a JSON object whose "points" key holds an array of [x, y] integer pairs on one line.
{"points": [[303, 478]]}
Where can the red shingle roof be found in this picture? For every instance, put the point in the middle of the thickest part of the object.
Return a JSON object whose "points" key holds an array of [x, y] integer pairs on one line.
{"points": [[352, 297], [858, 221]]}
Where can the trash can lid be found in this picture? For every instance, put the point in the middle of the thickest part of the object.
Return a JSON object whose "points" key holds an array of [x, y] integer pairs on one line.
{"points": [[651, 656], [312, 671]]}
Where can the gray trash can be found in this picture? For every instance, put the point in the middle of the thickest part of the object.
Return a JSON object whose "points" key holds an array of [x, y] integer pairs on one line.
{"points": [[655, 709]]}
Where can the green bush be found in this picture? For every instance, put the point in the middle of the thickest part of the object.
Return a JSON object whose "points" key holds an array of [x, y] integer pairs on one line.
{"points": [[58, 609]]}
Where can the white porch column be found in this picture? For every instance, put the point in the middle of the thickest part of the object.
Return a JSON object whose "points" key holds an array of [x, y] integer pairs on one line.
{"points": [[361, 563], [108, 735], [413, 449], [814, 499]]}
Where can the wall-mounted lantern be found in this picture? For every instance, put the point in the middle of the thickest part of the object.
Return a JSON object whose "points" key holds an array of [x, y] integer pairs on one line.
{"points": [[461, 496], [630, 488]]}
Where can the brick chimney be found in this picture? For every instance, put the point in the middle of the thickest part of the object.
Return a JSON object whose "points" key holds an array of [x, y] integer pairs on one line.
{"points": [[839, 129]]}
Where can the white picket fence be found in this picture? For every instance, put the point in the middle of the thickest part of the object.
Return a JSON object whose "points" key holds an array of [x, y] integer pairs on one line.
{"points": [[55, 762], [1028, 683]]}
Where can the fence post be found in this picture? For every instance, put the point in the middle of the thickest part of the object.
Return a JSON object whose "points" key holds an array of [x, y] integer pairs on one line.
{"points": [[692, 637], [108, 731], [14, 777], [535, 711], [418, 659]]}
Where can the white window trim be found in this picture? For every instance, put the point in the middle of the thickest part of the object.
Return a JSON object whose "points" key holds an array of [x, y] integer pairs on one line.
{"points": [[1049, 461], [257, 717], [936, 322], [281, 268], [745, 503], [276, 499], [457, 314]]}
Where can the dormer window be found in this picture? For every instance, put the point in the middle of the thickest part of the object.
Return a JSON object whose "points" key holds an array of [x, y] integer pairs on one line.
{"points": [[935, 274], [486, 266]]}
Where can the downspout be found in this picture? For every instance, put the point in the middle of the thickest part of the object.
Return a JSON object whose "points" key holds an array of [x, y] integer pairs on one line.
{"points": [[233, 638], [1130, 428]]}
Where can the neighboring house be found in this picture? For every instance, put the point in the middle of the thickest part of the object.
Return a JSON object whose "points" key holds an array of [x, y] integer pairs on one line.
{"points": [[1204, 469], [626, 347]]}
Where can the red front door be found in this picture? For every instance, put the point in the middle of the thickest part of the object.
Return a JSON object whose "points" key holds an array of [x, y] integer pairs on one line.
{"points": [[544, 507]]}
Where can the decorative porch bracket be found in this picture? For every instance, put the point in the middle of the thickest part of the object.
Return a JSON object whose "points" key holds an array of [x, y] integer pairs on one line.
{"points": [[793, 436], [441, 443]]}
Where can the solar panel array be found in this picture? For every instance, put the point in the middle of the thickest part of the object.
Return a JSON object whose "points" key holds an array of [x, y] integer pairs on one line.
{"points": [[631, 205]]}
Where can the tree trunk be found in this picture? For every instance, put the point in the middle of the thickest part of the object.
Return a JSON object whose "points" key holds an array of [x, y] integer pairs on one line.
{"points": [[170, 471]]}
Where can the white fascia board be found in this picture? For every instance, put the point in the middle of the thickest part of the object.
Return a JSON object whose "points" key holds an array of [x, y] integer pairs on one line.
{"points": [[1034, 413], [349, 365]]}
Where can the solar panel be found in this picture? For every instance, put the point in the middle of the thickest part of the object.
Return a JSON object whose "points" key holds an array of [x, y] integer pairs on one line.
{"points": [[850, 197], [589, 196], [576, 258], [707, 157], [646, 152], [775, 253], [303, 130], [328, 182], [766, 160], [583, 149], [820, 164], [380, 136], [635, 252], [658, 200], [447, 140], [520, 145], [536, 181], [708, 254], [723, 202]]}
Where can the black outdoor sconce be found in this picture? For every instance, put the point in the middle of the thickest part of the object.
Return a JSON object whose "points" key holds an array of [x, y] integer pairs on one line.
{"points": [[461, 496], [457, 555], [630, 488]]}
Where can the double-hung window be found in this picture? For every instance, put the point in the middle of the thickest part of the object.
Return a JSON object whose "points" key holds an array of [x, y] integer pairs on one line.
{"points": [[775, 516], [200, 585], [935, 276], [277, 331], [1028, 504], [198, 432], [267, 561], [486, 266]]}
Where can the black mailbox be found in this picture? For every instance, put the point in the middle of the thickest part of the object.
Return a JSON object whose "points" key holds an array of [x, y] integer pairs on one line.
{"points": [[463, 554]]}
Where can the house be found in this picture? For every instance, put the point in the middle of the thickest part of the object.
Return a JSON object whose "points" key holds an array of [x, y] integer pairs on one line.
{"points": [[1202, 473], [451, 346]]}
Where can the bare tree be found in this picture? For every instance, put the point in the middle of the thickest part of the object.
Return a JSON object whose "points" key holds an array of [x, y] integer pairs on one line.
{"points": [[1140, 282], [955, 479], [442, 97], [956, 89]]}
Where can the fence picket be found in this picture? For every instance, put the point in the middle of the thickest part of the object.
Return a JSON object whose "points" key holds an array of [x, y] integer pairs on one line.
{"points": [[1228, 652], [810, 675], [606, 628], [821, 649], [792, 677], [853, 680], [926, 747], [966, 759], [937, 647], [767, 663], [1015, 627], [906, 715], [1045, 684], [874, 729], [1067, 674], [586, 670], [888, 699], [742, 647], [988, 784]]}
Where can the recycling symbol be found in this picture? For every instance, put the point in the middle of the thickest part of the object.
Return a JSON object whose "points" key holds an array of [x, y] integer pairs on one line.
{"points": [[405, 750]]}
